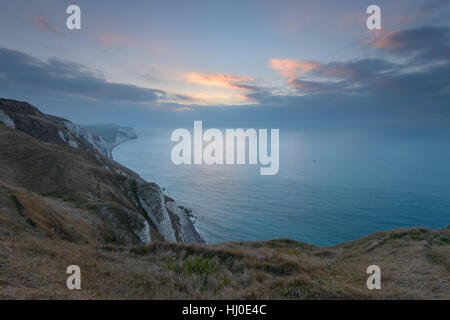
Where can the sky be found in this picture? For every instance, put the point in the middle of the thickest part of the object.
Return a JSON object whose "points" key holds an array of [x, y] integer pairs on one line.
{"points": [[230, 62]]}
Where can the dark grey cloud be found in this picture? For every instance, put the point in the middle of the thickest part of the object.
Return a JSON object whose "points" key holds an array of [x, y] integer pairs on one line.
{"points": [[19, 71], [433, 5], [426, 43], [378, 80], [317, 87], [408, 83], [357, 69], [416, 89]]}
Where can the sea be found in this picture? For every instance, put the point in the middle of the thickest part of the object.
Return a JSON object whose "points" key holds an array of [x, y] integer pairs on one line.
{"points": [[333, 185]]}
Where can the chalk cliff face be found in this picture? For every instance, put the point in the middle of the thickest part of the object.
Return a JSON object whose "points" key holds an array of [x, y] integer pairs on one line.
{"points": [[112, 134], [50, 167]]}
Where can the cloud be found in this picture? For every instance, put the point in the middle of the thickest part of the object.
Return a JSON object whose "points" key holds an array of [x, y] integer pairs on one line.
{"points": [[360, 69], [414, 86], [374, 78], [292, 68], [425, 51], [407, 81], [219, 80], [398, 96], [221, 97], [386, 40], [24, 75], [310, 77], [19, 71], [433, 5], [43, 24], [423, 43]]}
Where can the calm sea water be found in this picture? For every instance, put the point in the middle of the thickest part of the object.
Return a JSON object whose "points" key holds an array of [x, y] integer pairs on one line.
{"points": [[332, 186]]}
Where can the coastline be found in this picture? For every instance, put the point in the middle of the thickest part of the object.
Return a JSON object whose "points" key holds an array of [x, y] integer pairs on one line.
{"points": [[179, 215], [126, 207], [110, 135], [118, 144], [320, 203]]}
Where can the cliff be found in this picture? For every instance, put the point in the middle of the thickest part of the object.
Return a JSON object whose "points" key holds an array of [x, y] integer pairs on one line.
{"points": [[64, 202], [112, 134], [45, 157]]}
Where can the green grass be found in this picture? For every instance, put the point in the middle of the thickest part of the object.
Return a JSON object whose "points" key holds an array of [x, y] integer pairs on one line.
{"points": [[53, 194], [70, 199], [286, 250], [58, 195], [193, 265], [199, 265]]}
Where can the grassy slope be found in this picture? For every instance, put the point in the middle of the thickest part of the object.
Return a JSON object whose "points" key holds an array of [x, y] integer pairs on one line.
{"points": [[415, 263]]}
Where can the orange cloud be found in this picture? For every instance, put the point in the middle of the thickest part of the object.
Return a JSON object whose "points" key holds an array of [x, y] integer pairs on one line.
{"points": [[218, 80], [292, 68], [386, 40]]}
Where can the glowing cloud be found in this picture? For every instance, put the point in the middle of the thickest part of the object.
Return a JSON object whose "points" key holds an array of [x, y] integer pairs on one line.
{"points": [[292, 68], [218, 80]]}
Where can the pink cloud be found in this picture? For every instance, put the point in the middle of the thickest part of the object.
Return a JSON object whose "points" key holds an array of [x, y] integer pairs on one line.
{"points": [[292, 68], [386, 40], [43, 24]]}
